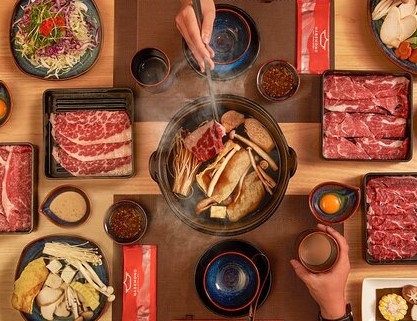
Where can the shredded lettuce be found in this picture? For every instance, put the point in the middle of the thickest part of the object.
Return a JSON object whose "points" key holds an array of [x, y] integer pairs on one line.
{"points": [[55, 34]]}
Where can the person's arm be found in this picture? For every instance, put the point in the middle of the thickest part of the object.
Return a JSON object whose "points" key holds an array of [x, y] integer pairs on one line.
{"points": [[328, 288], [197, 41]]}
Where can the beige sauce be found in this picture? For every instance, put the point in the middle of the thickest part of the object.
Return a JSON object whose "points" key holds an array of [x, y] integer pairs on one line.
{"points": [[315, 249], [69, 206]]}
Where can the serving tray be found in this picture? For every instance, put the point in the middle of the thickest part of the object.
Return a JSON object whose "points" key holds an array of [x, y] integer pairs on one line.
{"points": [[369, 258], [66, 100]]}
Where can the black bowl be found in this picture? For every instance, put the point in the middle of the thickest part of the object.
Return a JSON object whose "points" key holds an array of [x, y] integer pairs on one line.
{"points": [[239, 246]]}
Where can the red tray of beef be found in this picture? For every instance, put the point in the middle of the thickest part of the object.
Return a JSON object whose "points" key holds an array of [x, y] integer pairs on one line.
{"points": [[18, 201], [366, 115], [390, 217], [89, 133]]}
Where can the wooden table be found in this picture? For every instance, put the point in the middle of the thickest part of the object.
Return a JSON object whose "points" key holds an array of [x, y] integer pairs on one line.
{"points": [[355, 49]]}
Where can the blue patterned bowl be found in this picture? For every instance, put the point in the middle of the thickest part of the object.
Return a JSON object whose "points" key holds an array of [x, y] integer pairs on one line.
{"points": [[231, 36], [231, 281], [342, 202]]}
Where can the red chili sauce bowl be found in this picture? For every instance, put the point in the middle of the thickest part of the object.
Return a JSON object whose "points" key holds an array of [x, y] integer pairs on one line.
{"points": [[277, 80], [125, 222]]}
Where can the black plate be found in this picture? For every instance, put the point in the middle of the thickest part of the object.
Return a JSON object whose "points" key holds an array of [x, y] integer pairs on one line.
{"points": [[218, 248], [232, 70], [65, 100]]}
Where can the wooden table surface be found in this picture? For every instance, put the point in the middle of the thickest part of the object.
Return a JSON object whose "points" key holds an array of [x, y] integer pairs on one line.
{"points": [[355, 50]]}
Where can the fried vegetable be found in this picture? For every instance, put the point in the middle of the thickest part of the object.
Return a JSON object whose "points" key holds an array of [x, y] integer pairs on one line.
{"points": [[393, 307]]}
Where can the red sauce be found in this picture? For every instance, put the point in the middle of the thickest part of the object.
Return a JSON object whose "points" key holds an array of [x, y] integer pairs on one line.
{"points": [[278, 81], [126, 222]]}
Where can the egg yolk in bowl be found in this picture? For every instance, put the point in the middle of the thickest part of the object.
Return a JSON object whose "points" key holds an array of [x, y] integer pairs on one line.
{"points": [[330, 203], [3, 108]]}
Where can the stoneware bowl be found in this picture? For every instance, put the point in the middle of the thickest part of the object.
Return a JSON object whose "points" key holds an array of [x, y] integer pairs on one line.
{"points": [[333, 202], [231, 36], [125, 222], [231, 281], [277, 80], [5, 103], [317, 251], [151, 69]]}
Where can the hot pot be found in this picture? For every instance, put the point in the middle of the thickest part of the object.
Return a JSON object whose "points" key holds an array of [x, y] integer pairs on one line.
{"points": [[190, 117]]}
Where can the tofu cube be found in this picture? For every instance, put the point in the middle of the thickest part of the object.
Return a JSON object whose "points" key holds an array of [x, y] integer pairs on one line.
{"points": [[68, 274], [54, 266], [53, 280], [218, 211]]}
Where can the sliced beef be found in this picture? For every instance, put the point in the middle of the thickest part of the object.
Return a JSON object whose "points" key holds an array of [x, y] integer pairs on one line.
{"points": [[394, 105], [383, 252], [363, 125], [369, 110], [340, 148], [15, 188], [93, 138], [206, 141], [92, 126], [363, 87], [103, 167], [384, 148], [392, 222], [391, 212]]}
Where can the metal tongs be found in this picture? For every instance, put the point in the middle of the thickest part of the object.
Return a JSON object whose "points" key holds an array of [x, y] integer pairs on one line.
{"points": [[199, 16]]}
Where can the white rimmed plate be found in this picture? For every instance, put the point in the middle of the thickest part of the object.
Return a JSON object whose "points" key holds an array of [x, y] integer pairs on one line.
{"points": [[370, 285]]}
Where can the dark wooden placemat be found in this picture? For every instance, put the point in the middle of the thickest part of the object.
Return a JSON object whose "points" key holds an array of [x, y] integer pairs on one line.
{"points": [[180, 247], [151, 23]]}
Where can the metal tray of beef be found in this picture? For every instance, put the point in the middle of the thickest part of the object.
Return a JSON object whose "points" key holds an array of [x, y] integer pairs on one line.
{"points": [[88, 133], [18, 202], [366, 115], [390, 217]]}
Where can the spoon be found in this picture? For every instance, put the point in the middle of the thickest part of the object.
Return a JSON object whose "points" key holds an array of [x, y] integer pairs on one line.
{"points": [[254, 305]]}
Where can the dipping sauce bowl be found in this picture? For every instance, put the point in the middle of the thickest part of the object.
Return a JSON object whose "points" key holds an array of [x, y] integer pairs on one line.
{"points": [[151, 69], [5, 103], [333, 202], [66, 206], [125, 222], [277, 80], [317, 251]]}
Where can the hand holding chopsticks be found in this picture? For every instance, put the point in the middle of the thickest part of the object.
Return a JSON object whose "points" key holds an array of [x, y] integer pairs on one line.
{"points": [[197, 33]]}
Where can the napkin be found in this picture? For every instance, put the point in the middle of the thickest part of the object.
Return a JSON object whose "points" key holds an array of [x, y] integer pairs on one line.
{"points": [[313, 33], [139, 282]]}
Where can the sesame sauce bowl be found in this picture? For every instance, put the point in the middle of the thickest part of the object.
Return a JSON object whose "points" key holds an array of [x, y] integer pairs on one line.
{"points": [[125, 222]]}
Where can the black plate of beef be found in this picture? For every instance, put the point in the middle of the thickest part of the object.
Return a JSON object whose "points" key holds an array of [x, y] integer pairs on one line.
{"points": [[390, 217], [19, 168], [367, 115], [88, 133]]}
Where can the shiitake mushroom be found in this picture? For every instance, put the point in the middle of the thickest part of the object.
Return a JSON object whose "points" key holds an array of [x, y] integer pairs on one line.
{"points": [[409, 293]]}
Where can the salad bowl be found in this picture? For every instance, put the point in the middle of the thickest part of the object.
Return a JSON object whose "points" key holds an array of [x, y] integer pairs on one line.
{"points": [[53, 53]]}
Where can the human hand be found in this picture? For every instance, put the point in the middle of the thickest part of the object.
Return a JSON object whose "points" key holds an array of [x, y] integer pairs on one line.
{"points": [[197, 41], [328, 288]]}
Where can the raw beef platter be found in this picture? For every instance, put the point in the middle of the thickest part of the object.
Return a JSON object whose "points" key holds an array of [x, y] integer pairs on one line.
{"points": [[366, 116], [17, 176], [89, 133], [390, 209]]}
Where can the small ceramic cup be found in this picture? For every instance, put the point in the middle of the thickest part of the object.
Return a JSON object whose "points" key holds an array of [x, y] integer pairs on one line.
{"points": [[125, 222], [151, 69], [277, 80], [231, 281], [317, 251]]}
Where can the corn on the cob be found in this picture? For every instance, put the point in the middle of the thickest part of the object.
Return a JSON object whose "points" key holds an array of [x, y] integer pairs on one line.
{"points": [[393, 307]]}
